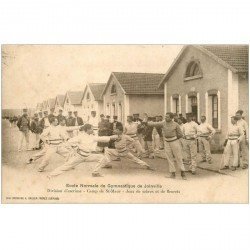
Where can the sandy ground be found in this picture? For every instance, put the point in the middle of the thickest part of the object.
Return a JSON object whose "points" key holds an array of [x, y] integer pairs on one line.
{"points": [[22, 183]]}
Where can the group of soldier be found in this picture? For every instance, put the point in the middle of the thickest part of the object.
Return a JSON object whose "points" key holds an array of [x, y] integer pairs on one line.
{"points": [[103, 141]]}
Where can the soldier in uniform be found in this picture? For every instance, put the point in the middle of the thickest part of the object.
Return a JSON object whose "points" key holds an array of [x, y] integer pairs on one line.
{"points": [[35, 132], [131, 129], [148, 140], [51, 115], [244, 142], [172, 133], [104, 129], [93, 120], [60, 116], [44, 123], [120, 151], [77, 119], [205, 134], [53, 137], [24, 126], [190, 129], [85, 151], [234, 136], [70, 123]]}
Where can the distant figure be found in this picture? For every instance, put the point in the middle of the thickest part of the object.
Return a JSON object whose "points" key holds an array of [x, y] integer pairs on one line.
{"points": [[24, 126], [70, 121], [77, 120], [60, 116], [51, 115]]}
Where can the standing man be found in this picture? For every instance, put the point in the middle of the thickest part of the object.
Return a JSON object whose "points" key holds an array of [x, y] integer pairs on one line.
{"points": [[44, 123], [205, 134], [131, 130], [24, 126], [78, 121], [60, 116], [171, 133], [35, 132], [115, 124], [93, 120], [234, 136], [148, 140], [70, 121], [243, 146], [51, 115], [53, 137], [103, 130], [190, 129]]}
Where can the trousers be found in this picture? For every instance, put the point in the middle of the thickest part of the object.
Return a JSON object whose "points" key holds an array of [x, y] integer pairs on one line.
{"points": [[149, 151], [173, 152], [244, 151], [137, 145], [35, 139], [232, 149], [112, 154], [48, 151], [24, 136], [190, 148], [75, 160], [204, 149]]}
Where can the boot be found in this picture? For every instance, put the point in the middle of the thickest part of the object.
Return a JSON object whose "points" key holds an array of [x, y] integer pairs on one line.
{"points": [[172, 175], [183, 175]]}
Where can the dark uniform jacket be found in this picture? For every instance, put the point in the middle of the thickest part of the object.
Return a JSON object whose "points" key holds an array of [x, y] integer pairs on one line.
{"points": [[23, 124], [114, 125], [50, 116], [70, 121], [60, 118], [35, 128], [79, 121]]}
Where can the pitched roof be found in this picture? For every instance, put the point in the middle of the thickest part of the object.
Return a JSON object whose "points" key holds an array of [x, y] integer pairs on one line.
{"points": [[75, 97], [138, 83], [97, 89], [51, 102], [60, 99], [234, 57]]}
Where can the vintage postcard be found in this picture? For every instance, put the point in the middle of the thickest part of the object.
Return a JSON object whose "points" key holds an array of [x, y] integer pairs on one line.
{"points": [[125, 123]]}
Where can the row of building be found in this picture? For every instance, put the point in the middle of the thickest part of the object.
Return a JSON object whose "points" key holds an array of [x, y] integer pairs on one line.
{"points": [[210, 80]]}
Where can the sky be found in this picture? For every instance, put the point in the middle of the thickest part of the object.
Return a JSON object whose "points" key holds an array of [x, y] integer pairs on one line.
{"points": [[33, 73]]}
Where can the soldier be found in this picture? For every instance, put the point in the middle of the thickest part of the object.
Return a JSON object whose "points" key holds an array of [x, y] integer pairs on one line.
{"points": [[53, 137], [234, 136], [85, 145], [93, 120], [171, 132], [120, 151], [77, 120], [70, 123], [104, 129], [159, 118], [24, 126], [51, 115], [190, 129], [182, 141], [244, 142], [148, 139], [205, 134], [65, 153], [115, 123], [44, 123], [35, 132], [131, 130], [60, 116]]}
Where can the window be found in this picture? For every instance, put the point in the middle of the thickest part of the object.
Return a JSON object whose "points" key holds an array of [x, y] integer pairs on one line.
{"points": [[193, 70], [215, 111], [113, 89], [176, 106], [88, 97]]}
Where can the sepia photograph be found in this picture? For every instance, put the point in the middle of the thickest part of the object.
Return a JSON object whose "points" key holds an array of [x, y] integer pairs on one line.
{"points": [[125, 123]]}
